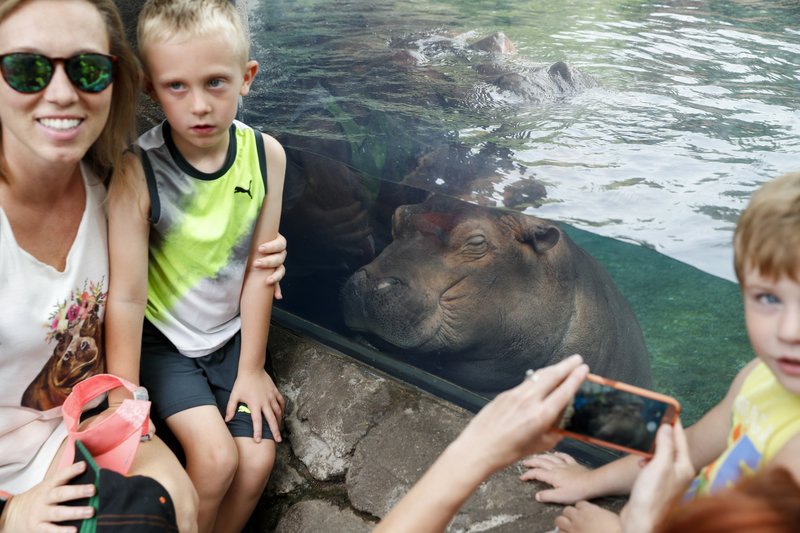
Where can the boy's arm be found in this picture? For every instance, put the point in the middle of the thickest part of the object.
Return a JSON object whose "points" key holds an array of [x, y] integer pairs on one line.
{"points": [[128, 232], [253, 385], [708, 437], [789, 458]]}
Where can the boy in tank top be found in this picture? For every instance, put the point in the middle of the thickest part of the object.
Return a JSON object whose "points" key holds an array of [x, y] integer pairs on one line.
{"points": [[203, 189]]}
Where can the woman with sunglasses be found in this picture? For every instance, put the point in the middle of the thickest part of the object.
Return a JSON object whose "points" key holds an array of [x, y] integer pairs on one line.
{"points": [[70, 83]]}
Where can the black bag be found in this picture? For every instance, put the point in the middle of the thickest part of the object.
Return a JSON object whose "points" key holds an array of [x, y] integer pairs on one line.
{"points": [[123, 504]]}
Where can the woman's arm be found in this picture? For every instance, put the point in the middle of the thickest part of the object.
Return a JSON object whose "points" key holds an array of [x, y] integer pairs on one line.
{"points": [[128, 233], [660, 482], [516, 423]]}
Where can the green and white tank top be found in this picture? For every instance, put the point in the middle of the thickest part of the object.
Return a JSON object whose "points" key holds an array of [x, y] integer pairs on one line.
{"points": [[201, 228]]}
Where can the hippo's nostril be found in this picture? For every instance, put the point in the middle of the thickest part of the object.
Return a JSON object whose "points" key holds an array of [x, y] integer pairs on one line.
{"points": [[387, 284]]}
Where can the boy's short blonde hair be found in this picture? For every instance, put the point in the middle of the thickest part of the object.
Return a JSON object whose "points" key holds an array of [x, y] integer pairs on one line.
{"points": [[165, 20], [767, 236]]}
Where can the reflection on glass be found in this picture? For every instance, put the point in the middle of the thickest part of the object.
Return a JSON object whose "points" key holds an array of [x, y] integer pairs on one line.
{"points": [[639, 121]]}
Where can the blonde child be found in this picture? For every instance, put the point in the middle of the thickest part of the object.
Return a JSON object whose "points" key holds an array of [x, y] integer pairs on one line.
{"points": [[757, 423], [201, 191]]}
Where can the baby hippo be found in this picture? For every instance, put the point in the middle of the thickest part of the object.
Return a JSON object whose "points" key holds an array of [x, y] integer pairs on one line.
{"points": [[478, 295]]}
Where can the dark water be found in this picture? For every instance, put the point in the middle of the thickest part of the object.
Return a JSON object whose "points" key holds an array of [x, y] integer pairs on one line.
{"points": [[694, 105]]}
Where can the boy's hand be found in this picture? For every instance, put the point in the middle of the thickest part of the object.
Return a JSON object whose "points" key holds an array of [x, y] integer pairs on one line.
{"points": [[568, 478], [256, 389], [586, 516]]}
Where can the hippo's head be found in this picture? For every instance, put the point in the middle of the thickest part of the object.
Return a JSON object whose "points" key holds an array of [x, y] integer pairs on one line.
{"points": [[477, 295], [453, 275]]}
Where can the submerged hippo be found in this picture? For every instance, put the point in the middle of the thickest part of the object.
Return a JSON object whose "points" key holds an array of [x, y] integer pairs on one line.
{"points": [[478, 295]]}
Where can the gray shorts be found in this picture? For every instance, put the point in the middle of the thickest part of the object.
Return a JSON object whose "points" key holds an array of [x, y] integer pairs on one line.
{"points": [[177, 383]]}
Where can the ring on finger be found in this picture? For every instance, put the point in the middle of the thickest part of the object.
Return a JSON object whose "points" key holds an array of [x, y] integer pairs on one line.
{"points": [[532, 375]]}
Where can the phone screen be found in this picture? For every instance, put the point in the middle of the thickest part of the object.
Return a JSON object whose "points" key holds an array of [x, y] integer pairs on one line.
{"points": [[606, 414]]}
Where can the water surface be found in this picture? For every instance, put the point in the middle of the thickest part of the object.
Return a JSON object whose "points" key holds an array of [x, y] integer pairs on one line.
{"points": [[697, 102]]}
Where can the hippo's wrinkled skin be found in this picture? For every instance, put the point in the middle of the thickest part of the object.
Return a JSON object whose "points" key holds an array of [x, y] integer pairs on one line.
{"points": [[477, 296]]}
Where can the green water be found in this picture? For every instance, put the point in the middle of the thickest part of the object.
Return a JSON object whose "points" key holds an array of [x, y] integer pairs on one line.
{"points": [[692, 322]]}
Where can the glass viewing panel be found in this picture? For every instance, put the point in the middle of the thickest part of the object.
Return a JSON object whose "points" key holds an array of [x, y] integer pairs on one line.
{"points": [[471, 192]]}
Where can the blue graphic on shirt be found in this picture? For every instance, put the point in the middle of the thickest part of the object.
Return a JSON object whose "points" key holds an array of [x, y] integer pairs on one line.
{"points": [[742, 459]]}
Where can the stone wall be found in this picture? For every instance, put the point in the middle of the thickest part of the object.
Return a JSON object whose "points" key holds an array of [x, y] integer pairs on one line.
{"points": [[357, 439]]}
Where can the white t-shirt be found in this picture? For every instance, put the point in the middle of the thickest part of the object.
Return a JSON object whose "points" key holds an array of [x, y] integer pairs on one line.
{"points": [[50, 338]]}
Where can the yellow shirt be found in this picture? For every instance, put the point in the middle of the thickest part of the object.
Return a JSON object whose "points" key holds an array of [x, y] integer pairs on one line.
{"points": [[765, 417]]}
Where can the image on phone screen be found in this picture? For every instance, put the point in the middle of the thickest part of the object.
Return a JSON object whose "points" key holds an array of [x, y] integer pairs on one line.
{"points": [[604, 413]]}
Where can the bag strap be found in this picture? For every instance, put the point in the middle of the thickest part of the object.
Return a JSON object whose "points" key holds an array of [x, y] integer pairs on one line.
{"points": [[86, 391]]}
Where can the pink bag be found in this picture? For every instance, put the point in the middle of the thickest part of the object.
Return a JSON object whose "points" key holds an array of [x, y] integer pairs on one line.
{"points": [[112, 442]]}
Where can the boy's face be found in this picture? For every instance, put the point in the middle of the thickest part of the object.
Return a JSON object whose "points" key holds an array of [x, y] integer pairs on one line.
{"points": [[772, 314], [198, 82]]}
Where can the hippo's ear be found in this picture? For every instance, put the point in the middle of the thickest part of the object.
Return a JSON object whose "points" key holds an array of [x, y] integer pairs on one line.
{"points": [[540, 234], [400, 219]]}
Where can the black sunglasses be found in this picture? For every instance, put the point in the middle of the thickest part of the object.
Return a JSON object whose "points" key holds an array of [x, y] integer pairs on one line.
{"points": [[30, 73]]}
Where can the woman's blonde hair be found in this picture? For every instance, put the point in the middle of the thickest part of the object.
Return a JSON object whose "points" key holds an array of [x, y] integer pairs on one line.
{"points": [[106, 152], [767, 237], [165, 20]]}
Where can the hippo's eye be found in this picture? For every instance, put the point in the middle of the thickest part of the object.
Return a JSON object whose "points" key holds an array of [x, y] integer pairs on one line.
{"points": [[475, 247]]}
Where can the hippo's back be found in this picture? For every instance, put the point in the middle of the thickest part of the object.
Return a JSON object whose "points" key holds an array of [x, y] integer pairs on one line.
{"points": [[607, 332]]}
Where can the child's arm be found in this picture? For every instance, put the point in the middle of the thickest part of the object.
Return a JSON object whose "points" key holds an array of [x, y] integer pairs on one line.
{"points": [[128, 232], [572, 482], [253, 385], [708, 437], [789, 458]]}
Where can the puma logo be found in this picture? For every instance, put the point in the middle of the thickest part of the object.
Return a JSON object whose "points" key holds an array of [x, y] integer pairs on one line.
{"points": [[247, 190]]}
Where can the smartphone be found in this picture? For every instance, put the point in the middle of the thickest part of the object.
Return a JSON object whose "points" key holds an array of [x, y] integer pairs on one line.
{"points": [[617, 415]]}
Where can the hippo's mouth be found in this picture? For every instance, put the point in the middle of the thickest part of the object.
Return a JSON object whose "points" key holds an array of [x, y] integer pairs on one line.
{"points": [[426, 330], [414, 355]]}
